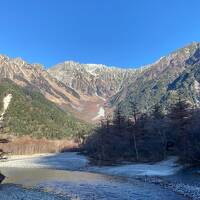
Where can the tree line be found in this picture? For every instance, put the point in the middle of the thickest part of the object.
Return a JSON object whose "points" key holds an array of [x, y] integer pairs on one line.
{"points": [[147, 137]]}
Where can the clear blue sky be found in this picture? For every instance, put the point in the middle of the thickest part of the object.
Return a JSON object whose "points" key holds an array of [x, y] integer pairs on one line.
{"points": [[114, 32]]}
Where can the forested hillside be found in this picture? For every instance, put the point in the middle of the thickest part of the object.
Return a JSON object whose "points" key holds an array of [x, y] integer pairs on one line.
{"points": [[30, 113]]}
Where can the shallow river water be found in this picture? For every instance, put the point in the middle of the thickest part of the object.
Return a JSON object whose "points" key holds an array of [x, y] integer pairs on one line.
{"points": [[62, 184]]}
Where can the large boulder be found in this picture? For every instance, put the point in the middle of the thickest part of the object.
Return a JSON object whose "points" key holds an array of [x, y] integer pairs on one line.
{"points": [[2, 177]]}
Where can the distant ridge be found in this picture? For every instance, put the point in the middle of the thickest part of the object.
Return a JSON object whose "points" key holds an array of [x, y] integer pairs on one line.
{"points": [[83, 89]]}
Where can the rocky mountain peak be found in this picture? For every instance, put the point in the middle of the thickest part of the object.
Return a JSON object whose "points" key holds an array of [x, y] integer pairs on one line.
{"points": [[185, 52], [3, 58], [18, 61], [91, 79], [71, 63], [38, 66]]}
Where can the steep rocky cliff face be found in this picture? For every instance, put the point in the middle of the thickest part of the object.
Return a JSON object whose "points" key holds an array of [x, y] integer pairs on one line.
{"points": [[93, 79], [34, 77]]}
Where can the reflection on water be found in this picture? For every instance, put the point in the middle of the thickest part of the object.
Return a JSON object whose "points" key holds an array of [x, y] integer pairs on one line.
{"points": [[31, 177]]}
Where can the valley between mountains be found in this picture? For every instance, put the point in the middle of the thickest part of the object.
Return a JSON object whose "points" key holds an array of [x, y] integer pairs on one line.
{"points": [[73, 95]]}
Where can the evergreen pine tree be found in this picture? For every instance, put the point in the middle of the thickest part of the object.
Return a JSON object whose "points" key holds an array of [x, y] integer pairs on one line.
{"points": [[180, 117]]}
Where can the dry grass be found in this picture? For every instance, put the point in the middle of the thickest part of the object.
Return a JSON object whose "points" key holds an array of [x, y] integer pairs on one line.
{"points": [[28, 145]]}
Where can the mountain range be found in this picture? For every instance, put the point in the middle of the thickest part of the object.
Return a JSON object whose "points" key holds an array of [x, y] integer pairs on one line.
{"points": [[146, 86], [86, 92]]}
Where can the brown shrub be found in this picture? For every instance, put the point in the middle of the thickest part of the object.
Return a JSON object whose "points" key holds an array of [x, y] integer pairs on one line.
{"points": [[28, 145]]}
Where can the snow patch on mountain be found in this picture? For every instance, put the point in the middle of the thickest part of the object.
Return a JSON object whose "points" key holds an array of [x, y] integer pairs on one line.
{"points": [[6, 103], [101, 113]]}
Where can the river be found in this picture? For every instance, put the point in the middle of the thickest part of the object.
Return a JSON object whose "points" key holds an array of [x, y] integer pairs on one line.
{"points": [[48, 182]]}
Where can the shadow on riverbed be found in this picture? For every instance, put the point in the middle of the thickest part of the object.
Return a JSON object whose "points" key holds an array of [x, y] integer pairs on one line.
{"points": [[189, 176], [67, 161]]}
